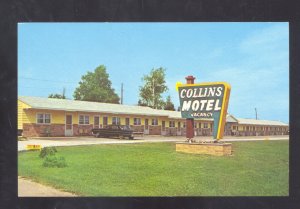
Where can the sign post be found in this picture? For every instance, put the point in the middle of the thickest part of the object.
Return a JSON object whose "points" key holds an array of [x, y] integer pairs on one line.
{"points": [[190, 121]]}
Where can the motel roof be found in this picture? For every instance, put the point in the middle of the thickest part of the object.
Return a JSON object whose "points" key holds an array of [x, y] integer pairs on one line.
{"points": [[231, 119], [85, 106], [244, 121]]}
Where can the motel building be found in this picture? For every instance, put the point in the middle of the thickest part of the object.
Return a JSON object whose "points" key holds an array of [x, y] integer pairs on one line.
{"points": [[39, 116]]}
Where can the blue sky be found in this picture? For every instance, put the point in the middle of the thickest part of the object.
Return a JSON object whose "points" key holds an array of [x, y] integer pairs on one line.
{"points": [[252, 57]]}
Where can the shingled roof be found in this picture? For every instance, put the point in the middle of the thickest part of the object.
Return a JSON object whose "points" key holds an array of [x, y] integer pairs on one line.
{"points": [[84, 106], [244, 121]]}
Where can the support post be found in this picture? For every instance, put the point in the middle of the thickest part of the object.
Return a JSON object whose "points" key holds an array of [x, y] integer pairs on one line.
{"points": [[190, 121]]}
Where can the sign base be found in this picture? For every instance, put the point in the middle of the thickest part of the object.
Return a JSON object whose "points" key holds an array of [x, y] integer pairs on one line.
{"points": [[217, 149]]}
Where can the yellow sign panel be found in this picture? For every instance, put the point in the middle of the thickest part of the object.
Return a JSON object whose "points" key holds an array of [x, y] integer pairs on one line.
{"points": [[33, 147]]}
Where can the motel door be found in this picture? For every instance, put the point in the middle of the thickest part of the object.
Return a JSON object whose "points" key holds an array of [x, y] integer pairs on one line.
{"points": [[146, 130], [69, 126]]}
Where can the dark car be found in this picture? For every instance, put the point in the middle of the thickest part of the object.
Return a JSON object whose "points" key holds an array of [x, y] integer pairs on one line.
{"points": [[113, 131]]}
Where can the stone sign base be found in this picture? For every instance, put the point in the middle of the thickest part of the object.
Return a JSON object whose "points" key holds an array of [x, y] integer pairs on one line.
{"points": [[218, 149]]}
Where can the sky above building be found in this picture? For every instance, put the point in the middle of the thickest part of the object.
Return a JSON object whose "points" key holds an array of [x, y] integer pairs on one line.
{"points": [[252, 57]]}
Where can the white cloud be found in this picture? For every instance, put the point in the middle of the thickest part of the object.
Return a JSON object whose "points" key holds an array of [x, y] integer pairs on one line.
{"points": [[268, 38]]}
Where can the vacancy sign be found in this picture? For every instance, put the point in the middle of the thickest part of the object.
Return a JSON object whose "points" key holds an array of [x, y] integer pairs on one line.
{"points": [[205, 100]]}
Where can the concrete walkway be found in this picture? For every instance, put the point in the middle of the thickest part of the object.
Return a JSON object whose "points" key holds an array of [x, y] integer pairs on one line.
{"points": [[75, 141], [28, 188]]}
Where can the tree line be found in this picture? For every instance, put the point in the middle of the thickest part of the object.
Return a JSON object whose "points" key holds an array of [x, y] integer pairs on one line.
{"points": [[96, 87]]}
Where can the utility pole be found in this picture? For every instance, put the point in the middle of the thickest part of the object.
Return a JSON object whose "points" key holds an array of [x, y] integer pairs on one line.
{"points": [[153, 92], [63, 93], [122, 93], [255, 113]]}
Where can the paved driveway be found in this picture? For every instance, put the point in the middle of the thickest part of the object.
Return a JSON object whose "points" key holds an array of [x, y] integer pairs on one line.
{"points": [[74, 141]]}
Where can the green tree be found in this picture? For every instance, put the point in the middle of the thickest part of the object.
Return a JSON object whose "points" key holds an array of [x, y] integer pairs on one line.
{"points": [[169, 104], [57, 96], [154, 86], [140, 103], [96, 87]]}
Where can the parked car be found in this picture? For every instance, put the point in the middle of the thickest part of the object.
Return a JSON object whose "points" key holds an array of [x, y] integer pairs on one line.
{"points": [[113, 131]]}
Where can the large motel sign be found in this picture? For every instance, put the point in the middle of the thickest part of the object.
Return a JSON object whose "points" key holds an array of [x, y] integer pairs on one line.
{"points": [[205, 100]]}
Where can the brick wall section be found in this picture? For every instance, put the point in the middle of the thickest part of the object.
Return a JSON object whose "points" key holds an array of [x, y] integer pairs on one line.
{"points": [[137, 128], [82, 130], [154, 130], [171, 131], [37, 130]]}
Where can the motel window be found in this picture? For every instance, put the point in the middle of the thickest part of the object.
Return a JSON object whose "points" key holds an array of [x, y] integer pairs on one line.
{"points": [[154, 122], [116, 121], [105, 121], [163, 124], [205, 125], [172, 124], [44, 118], [127, 121], [136, 121], [234, 127], [247, 128], [84, 119], [179, 125]]}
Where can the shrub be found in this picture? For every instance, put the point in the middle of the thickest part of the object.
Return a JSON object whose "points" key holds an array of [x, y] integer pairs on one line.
{"points": [[53, 161], [47, 151]]}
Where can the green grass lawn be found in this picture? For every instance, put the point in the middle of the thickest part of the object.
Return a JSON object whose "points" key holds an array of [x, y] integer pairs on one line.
{"points": [[258, 168]]}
